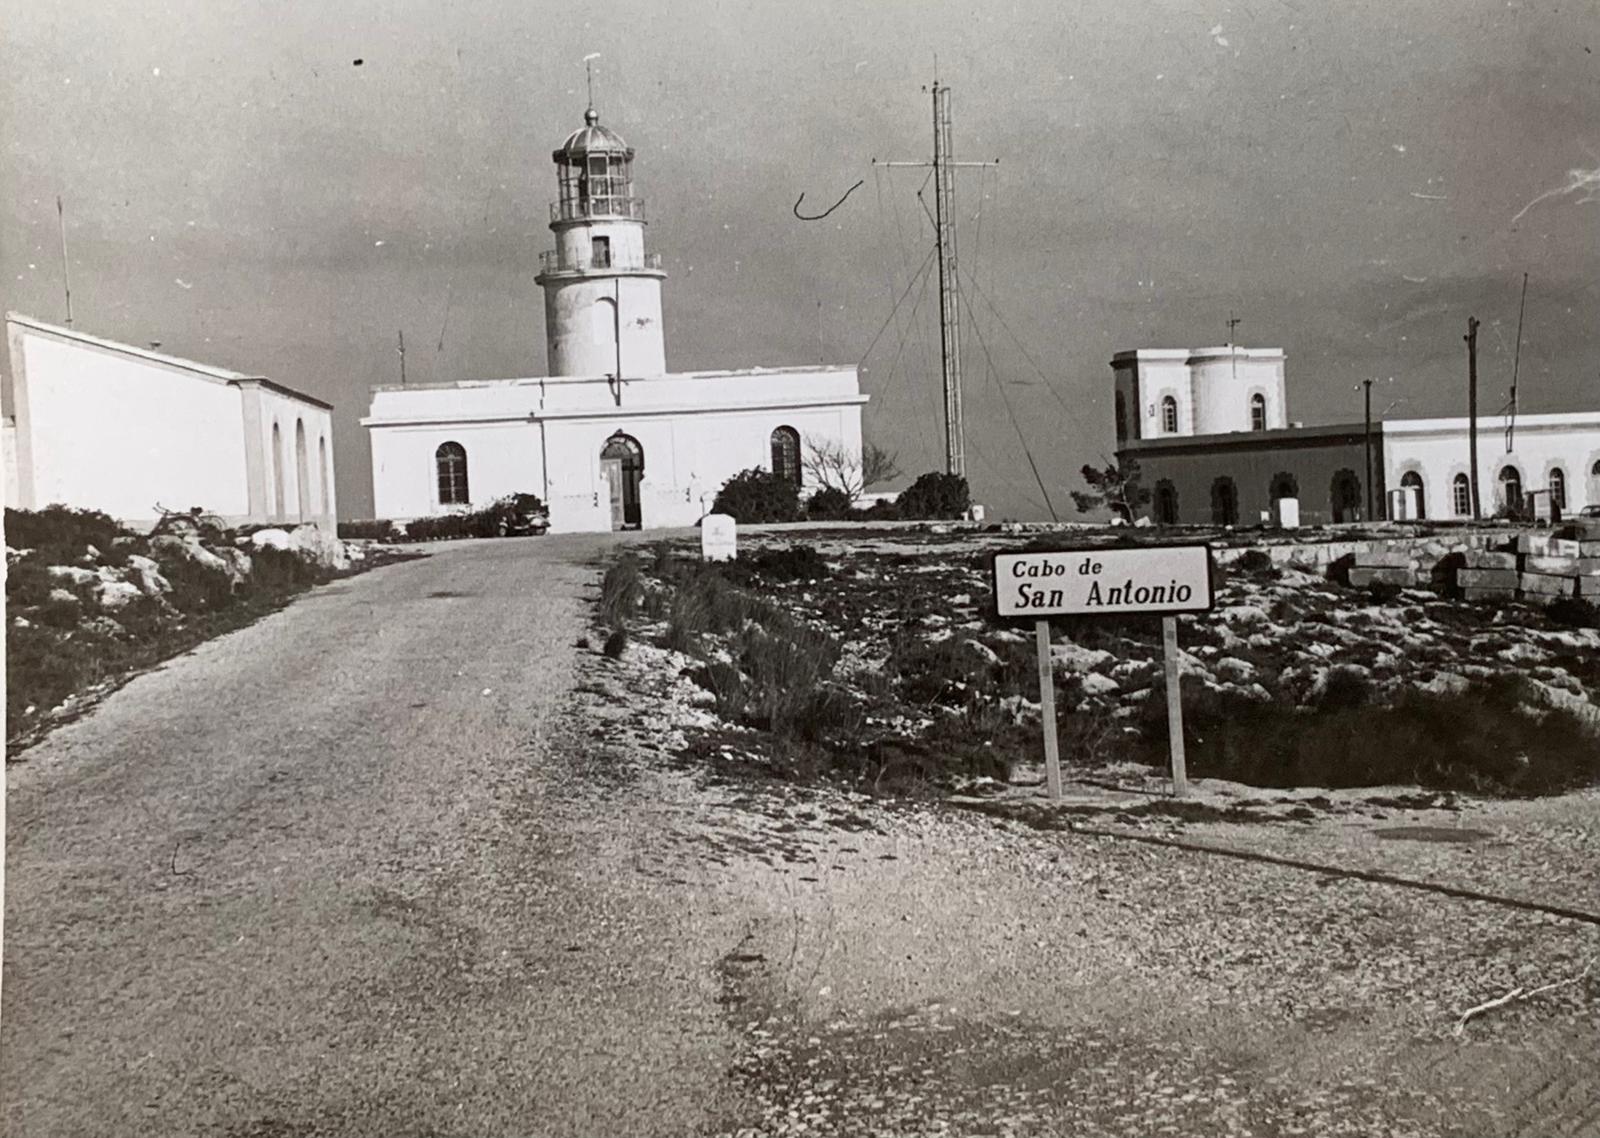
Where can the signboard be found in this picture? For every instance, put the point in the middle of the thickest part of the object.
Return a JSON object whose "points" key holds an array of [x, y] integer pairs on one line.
{"points": [[718, 538], [1163, 579]]}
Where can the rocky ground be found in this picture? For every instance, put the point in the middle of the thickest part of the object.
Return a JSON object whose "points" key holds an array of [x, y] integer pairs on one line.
{"points": [[916, 969], [1252, 962], [90, 603]]}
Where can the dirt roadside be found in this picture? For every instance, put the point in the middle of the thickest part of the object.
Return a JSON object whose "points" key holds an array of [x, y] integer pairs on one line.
{"points": [[922, 969]]}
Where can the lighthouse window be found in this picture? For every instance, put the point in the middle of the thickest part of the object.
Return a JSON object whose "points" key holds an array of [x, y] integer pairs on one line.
{"points": [[786, 454], [601, 252], [450, 462]]}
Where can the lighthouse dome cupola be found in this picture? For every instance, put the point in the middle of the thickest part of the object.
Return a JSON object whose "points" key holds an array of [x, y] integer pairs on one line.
{"points": [[602, 290], [595, 169]]}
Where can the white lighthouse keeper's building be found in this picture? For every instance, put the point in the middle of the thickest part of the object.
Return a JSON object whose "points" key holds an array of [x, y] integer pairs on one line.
{"points": [[609, 438]]}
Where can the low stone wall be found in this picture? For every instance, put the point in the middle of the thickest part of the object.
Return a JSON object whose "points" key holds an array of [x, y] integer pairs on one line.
{"points": [[1534, 565]]}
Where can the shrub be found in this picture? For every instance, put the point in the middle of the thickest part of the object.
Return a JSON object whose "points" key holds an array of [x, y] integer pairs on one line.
{"points": [[777, 563], [620, 592], [1574, 611], [616, 643], [934, 495], [57, 527], [1486, 739], [753, 496], [379, 530], [829, 504]]}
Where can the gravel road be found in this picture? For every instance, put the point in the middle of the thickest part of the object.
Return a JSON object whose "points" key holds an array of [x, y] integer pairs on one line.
{"points": [[403, 859], [334, 874]]}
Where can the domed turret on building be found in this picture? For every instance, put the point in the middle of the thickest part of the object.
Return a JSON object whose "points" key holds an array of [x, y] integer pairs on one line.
{"points": [[607, 438], [599, 268]]}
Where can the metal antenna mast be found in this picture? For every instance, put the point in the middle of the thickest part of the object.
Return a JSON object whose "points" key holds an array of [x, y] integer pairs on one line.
{"points": [[66, 273], [944, 222]]}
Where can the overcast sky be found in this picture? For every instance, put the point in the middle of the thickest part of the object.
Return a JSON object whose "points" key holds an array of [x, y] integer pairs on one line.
{"points": [[1352, 180]]}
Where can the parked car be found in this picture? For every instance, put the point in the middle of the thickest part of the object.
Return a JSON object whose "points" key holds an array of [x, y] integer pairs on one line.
{"points": [[518, 514], [1590, 511]]}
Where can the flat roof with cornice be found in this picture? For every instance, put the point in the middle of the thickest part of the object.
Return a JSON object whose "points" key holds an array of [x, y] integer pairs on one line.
{"points": [[209, 370]]}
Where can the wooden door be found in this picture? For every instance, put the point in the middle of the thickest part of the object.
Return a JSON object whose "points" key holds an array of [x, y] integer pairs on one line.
{"points": [[611, 468]]}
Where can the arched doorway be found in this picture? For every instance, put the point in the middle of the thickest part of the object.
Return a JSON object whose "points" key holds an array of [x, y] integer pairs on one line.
{"points": [[1511, 491], [1344, 496], [1224, 502], [302, 470], [1166, 503], [278, 506], [1283, 485], [622, 463], [1411, 480]]}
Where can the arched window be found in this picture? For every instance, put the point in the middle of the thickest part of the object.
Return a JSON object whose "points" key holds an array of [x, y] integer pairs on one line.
{"points": [[1510, 489], [451, 462], [1411, 480], [1284, 485], [1169, 415], [1224, 502], [1461, 495], [786, 454], [1122, 417], [277, 472], [1258, 412], [1558, 487], [1595, 470], [1166, 503]]}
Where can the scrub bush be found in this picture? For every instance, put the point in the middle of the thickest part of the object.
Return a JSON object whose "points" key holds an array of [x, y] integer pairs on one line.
{"points": [[1488, 739], [934, 495], [829, 504], [756, 495]]}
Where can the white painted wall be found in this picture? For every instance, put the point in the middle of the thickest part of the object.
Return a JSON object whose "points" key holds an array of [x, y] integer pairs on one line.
{"points": [[100, 429], [111, 427], [696, 431], [1211, 388], [1439, 449]]}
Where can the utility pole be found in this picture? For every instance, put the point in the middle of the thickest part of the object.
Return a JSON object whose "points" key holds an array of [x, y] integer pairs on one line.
{"points": [[402, 358], [1472, 413], [1367, 383], [944, 223]]}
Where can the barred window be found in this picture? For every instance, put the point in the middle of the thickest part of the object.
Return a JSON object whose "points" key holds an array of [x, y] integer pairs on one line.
{"points": [[1258, 412], [451, 461], [786, 454], [1461, 495], [1169, 415]]}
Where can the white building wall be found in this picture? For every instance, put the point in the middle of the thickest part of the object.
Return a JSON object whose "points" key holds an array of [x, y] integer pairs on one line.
{"points": [[275, 475], [1210, 388], [696, 431], [1439, 449], [102, 429], [8, 444], [502, 458]]}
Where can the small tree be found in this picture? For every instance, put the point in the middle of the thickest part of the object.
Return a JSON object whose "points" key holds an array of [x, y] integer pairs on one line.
{"points": [[829, 504], [758, 496], [935, 495], [830, 465], [1115, 487]]}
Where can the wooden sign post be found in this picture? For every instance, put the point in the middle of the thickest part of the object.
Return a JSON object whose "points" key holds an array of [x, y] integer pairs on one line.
{"points": [[1161, 580], [1047, 710], [1169, 648]]}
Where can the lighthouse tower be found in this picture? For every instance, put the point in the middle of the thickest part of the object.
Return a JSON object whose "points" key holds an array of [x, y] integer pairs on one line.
{"points": [[602, 291]]}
